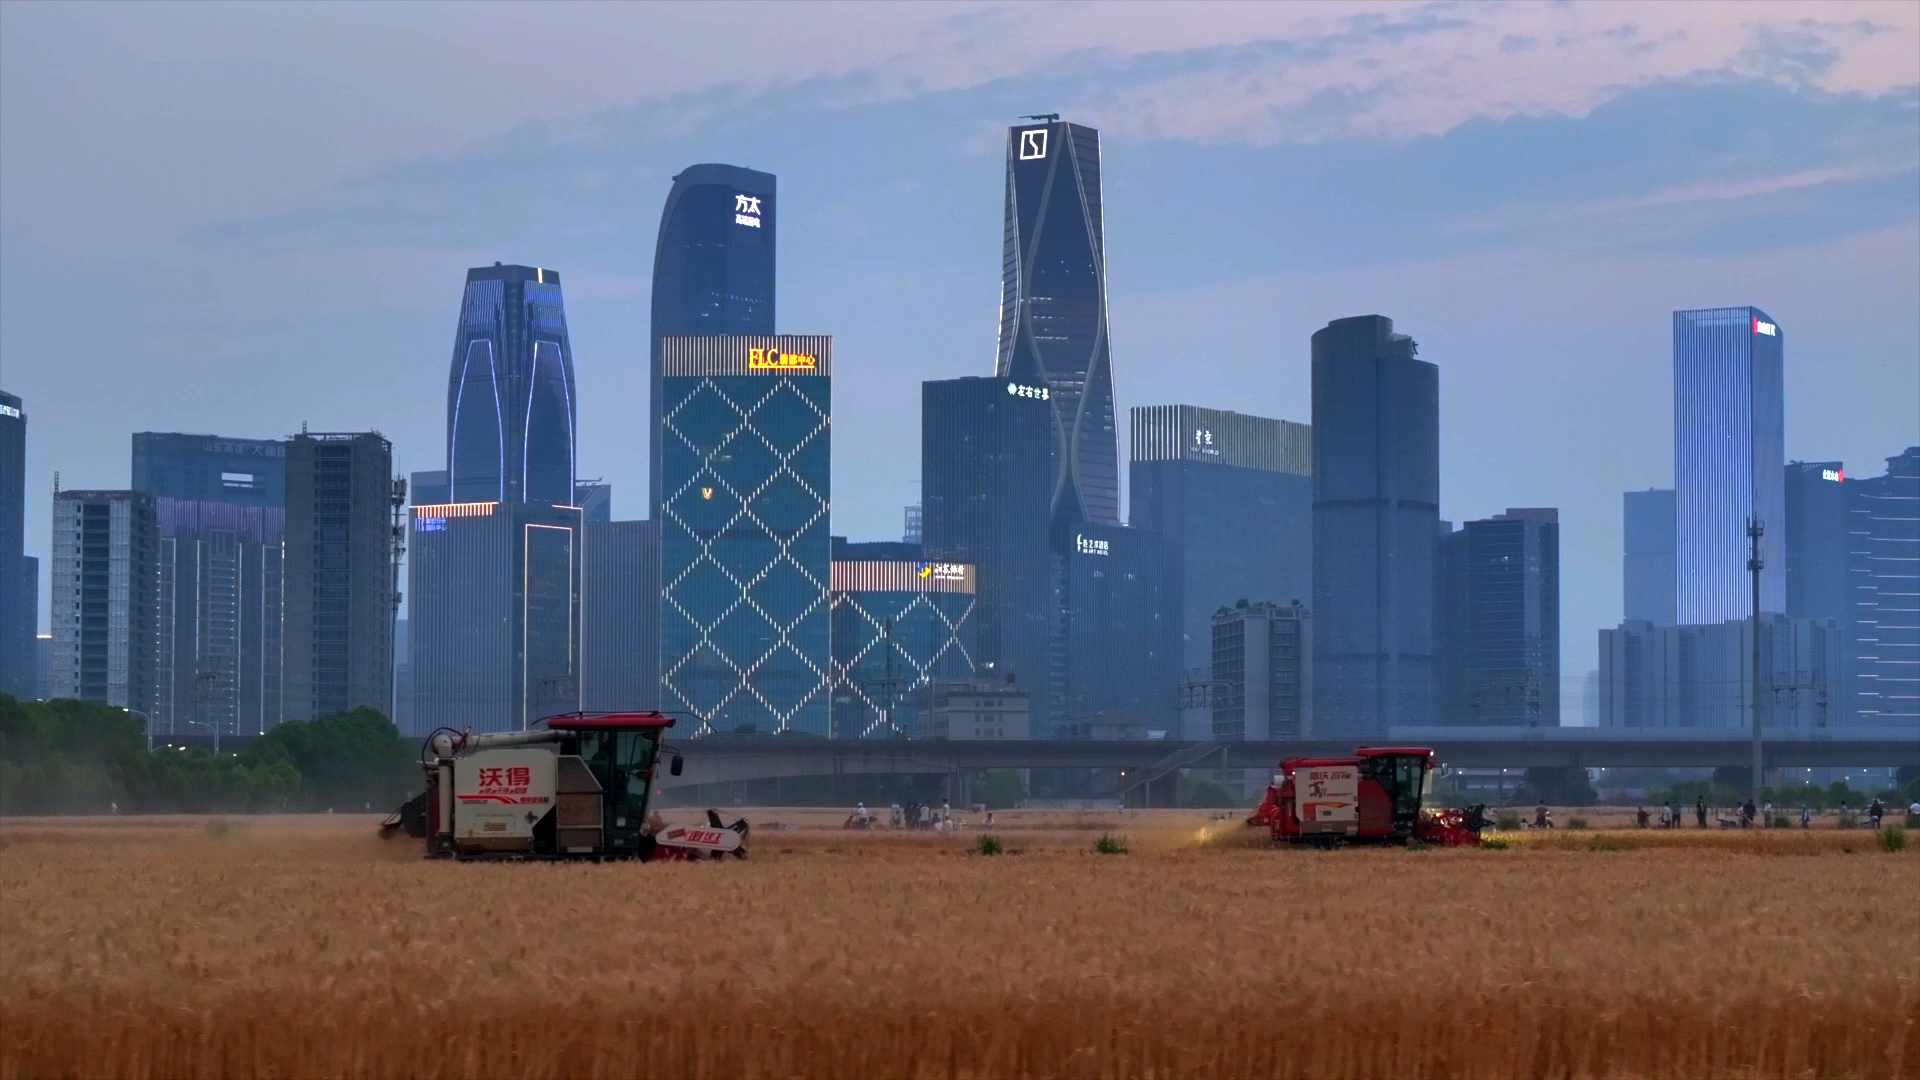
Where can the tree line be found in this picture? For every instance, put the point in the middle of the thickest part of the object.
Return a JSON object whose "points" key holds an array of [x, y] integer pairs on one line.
{"points": [[81, 757]]}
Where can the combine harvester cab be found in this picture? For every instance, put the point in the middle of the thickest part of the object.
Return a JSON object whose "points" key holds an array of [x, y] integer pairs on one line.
{"points": [[1377, 796], [577, 787]]}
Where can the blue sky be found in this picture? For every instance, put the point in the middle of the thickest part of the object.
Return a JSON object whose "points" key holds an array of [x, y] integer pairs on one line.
{"points": [[240, 218]]}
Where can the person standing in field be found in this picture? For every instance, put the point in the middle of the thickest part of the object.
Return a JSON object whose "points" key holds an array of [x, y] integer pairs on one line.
{"points": [[1700, 810], [1640, 817], [1666, 815], [1806, 817]]}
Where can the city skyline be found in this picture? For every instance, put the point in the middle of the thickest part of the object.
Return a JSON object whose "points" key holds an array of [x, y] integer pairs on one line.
{"points": [[1633, 243]]}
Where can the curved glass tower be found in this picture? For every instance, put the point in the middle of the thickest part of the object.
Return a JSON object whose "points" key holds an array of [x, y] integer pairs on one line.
{"points": [[712, 269], [510, 399], [1053, 309]]}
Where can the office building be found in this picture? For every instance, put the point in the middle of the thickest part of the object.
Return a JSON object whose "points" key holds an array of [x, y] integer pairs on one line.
{"points": [[1053, 310], [1702, 676], [29, 677], [978, 711], [106, 551], [912, 532], [1729, 425], [595, 500], [1883, 579], [1109, 660], [1262, 667], [339, 576], [429, 488], [1816, 540], [713, 264], [210, 468], [620, 634], [985, 484], [403, 678], [899, 627], [1500, 621], [217, 662], [494, 616], [1376, 517], [16, 636], [510, 394], [1231, 498], [745, 541], [1646, 566]]}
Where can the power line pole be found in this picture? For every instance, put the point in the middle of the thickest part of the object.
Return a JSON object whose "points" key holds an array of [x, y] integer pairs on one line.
{"points": [[1755, 527]]}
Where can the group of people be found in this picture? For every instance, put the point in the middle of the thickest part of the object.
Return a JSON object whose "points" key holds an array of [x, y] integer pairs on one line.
{"points": [[913, 815], [1672, 816]]}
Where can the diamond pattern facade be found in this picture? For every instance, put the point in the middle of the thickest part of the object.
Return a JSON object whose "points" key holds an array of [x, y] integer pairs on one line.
{"points": [[745, 550], [897, 628]]}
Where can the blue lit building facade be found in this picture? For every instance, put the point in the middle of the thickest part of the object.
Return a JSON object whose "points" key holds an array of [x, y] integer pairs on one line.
{"points": [[1053, 310], [1729, 446], [1376, 527], [713, 266], [986, 484], [745, 542], [899, 627], [1231, 498], [510, 397]]}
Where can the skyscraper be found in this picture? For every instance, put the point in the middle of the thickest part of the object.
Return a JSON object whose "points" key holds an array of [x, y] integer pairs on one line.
{"points": [[510, 395], [899, 627], [220, 505], [1110, 641], [745, 542], [1816, 540], [105, 573], [1883, 576], [1262, 668], [1053, 309], [712, 271], [986, 486], [16, 638], [1500, 621], [1376, 521], [339, 582], [1231, 498], [1646, 566], [620, 631], [1728, 450]]}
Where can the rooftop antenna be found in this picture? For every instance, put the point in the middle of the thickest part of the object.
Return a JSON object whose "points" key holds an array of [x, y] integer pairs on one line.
{"points": [[1052, 117]]}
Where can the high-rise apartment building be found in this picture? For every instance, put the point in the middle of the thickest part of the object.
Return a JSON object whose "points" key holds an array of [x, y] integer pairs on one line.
{"points": [[1231, 498], [1883, 578], [16, 637], [338, 576], [745, 542], [30, 677], [106, 549], [620, 633], [1646, 565], [713, 272], [1500, 621], [1053, 310], [1816, 541], [511, 403], [1262, 667], [219, 502], [1376, 520], [986, 486], [899, 627], [1702, 675], [1729, 432], [1109, 657]]}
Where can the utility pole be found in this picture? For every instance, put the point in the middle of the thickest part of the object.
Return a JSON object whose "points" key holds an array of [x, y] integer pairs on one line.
{"points": [[1755, 527]]}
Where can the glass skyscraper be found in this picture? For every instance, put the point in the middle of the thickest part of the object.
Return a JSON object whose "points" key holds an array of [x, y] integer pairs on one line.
{"points": [[1231, 497], [1816, 540], [712, 270], [511, 404], [745, 542], [1110, 662], [1053, 310], [339, 580], [1376, 525], [1500, 621], [210, 468], [16, 630], [1729, 447], [1646, 565], [898, 628]]}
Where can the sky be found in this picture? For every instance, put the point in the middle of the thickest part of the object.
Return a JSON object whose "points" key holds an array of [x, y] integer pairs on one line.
{"points": [[242, 218]]}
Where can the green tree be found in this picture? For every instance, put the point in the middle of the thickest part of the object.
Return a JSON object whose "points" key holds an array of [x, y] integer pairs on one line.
{"points": [[1002, 788], [349, 761]]}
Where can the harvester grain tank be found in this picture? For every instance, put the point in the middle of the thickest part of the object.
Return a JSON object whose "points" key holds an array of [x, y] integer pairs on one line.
{"points": [[1377, 796], [576, 787]]}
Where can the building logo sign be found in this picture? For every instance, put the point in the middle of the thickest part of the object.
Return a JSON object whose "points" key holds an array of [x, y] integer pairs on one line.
{"points": [[1087, 546], [942, 571], [429, 524], [1203, 442], [746, 210], [775, 360], [8, 410], [1033, 144], [1766, 328], [1836, 475], [706, 493], [1036, 392]]}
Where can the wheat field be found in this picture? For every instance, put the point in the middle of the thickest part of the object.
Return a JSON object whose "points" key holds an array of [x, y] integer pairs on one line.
{"points": [[165, 948]]}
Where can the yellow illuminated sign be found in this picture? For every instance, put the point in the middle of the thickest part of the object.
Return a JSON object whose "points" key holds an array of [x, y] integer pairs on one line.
{"points": [[775, 360]]}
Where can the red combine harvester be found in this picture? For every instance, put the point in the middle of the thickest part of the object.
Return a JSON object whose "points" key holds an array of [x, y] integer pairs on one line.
{"points": [[576, 787], [1374, 797]]}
